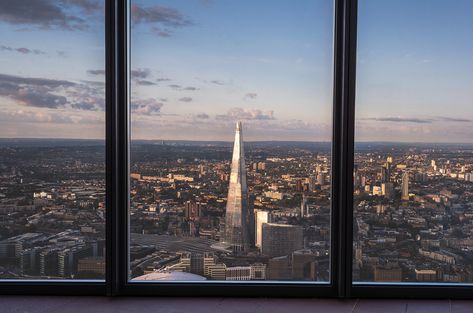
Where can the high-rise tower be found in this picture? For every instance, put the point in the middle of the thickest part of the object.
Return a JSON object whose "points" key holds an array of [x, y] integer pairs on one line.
{"points": [[237, 211], [405, 186]]}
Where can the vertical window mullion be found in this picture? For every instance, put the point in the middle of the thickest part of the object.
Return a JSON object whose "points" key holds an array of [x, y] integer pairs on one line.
{"points": [[337, 229], [117, 142], [350, 135], [345, 70]]}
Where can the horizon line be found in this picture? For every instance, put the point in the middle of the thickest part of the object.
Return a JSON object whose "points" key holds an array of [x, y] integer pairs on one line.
{"points": [[230, 141]]}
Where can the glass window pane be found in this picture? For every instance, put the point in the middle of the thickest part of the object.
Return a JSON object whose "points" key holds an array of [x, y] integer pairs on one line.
{"points": [[231, 140], [413, 173], [52, 128]]}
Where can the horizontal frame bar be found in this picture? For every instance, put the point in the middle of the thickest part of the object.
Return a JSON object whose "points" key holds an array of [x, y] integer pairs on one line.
{"points": [[72, 288], [409, 291], [237, 289]]}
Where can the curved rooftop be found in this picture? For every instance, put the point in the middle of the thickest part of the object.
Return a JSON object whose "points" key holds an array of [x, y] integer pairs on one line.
{"points": [[176, 276]]}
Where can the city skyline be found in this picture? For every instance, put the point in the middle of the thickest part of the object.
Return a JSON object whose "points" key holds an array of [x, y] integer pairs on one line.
{"points": [[281, 86], [221, 224], [412, 212]]}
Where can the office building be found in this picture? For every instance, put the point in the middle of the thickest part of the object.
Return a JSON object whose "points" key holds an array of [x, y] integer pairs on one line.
{"points": [[387, 190], [405, 186], [261, 218], [281, 239], [238, 273]]}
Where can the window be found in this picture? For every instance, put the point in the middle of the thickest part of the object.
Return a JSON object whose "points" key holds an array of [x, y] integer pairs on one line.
{"points": [[413, 143], [52, 152], [236, 147], [230, 155]]}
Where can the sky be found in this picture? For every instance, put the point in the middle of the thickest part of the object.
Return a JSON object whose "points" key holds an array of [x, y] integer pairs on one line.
{"points": [[414, 71], [198, 66]]}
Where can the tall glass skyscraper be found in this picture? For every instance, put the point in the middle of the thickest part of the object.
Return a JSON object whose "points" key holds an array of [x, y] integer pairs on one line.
{"points": [[237, 211]]}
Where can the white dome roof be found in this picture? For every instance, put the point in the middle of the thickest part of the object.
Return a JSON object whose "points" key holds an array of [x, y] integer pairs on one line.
{"points": [[176, 276]]}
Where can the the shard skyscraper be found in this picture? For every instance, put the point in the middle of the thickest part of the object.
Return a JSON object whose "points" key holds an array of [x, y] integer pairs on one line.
{"points": [[238, 212]]}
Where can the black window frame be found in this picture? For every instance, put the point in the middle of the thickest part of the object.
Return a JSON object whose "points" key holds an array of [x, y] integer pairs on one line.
{"points": [[117, 190]]}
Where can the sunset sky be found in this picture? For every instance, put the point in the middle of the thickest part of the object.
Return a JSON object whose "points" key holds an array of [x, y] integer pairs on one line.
{"points": [[200, 65]]}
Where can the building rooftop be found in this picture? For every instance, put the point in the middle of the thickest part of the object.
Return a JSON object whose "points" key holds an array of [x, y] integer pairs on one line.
{"points": [[174, 276]]}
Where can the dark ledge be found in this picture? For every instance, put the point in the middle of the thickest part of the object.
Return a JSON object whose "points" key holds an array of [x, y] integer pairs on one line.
{"points": [[56, 304]]}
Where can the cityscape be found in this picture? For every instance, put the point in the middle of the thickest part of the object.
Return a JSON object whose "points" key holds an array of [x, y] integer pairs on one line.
{"points": [[259, 213], [237, 211], [52, 209], [413, 210]]}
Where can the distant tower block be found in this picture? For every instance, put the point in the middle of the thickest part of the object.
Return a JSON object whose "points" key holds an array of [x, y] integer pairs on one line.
{"points": [[304, 207], [237, 211], [405, 186], [261, 218]]}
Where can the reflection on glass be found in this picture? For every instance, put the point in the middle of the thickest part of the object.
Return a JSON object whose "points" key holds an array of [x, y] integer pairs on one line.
{"points": [[413, 175], [230, 149], [52, 140]]}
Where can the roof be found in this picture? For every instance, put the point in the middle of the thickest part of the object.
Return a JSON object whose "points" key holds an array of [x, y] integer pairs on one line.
{"points": [[176, 276]]}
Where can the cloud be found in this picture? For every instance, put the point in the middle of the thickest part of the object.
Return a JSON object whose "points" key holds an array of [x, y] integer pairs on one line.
{"points": [[62, 54], [217, 82], [399, 119], [202, 116], [246, 114], [185, 99], [418, 120], [179, 87], [454, 119], [34, 81], [22, 50], [96, 72], [51, 93], [87, 96], [85, 105], [88, 6], [141, 76], [140, 73], [251, 95], [162, 79], [94, 83], [146, 107], [34, 117], [49, 117], [166, 16], [47, 14], [145, 82], [161, 32], [39, 98], [163, 19]]}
